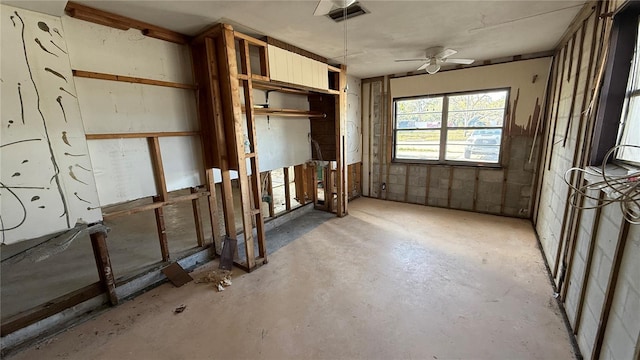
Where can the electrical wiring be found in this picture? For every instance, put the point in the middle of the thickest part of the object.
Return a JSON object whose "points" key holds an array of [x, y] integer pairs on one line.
{"points": [[623, 189]]}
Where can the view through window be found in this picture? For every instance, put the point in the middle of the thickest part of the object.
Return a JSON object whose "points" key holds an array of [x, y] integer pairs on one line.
{"points": [[458, 127]]}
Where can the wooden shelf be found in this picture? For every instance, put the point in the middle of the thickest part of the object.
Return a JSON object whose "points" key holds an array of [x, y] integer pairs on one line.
{"points": [[286, 112]]}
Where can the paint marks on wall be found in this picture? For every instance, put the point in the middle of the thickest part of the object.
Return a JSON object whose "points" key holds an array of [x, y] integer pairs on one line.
{"points": [[36, 197]]}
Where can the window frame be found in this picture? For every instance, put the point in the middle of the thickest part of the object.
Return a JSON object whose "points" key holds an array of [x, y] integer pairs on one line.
{"points": [[444, 129], [614, 85]]}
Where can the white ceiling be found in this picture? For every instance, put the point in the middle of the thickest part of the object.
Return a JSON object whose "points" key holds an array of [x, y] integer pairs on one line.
{"points": [[393, 29]]}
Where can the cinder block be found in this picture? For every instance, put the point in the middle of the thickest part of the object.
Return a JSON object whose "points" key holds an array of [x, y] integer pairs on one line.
{"points": [[417, 180], [397, 169], [520, 177], [396, 189], [417, 191], [490, 175]]}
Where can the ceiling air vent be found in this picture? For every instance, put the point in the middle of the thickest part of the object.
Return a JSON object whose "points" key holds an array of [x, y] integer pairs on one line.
{"points": [[353, 10]]}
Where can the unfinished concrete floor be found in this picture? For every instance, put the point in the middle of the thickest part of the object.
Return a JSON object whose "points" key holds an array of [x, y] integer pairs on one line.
{"points": [[391, 280]]}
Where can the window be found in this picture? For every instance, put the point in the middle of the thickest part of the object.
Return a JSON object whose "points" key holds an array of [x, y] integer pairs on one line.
{"points": [[629, 131], [618, 115], [461, 128]]}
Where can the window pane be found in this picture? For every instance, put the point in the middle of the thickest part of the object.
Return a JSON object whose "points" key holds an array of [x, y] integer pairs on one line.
{"points": [[477, 109], [480, 145], [423, 113], [418, 144]]}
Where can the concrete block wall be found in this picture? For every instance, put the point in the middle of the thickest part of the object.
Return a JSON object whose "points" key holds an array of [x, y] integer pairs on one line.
{"points": [[580, 245], [505, 190]]}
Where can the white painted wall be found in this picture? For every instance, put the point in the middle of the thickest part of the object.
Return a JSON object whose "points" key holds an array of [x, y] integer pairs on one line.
{"points": [[47, 177], [282, 141]]}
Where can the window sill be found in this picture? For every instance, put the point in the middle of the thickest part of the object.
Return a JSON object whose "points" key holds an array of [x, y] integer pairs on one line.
{"points": [[488, 166]]}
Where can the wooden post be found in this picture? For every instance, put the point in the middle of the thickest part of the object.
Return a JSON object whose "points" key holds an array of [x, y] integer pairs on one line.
{"points": [[287, 195], [213, 210], [103, 263], [162, 231], [197, 218], [270, 190], [300, 183]]}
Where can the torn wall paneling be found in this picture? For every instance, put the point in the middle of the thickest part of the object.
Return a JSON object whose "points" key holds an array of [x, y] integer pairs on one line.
{"points": [[47, 176]]}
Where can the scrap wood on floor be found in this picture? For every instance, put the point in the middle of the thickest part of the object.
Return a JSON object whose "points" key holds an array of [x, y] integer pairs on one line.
{"points": [[219, 277]]}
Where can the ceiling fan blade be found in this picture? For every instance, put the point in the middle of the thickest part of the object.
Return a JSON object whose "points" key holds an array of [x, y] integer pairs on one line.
{"points": [[401, 60], [445, 53], [458, 61], [323, 7], [423, 66]]}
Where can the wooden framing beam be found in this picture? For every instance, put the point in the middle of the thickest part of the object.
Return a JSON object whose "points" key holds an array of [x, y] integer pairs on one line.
{"points": [[270, 191], [162, 230], [105, 18], [153, 205], [287, 191], [52, 307], [131, 79], [197, 218], [140, 135], [212, 200], [103, 263]]}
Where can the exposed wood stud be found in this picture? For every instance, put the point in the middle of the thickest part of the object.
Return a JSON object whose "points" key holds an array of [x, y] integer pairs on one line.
{"points": [[105, 18], [130, 79], [154, 205], [195, 204], [140, 135], [103, 263], [575, 83], [611, 289], [213, 210], [557, 107], [503, 196], [270, 191], [287, 191], [162, 230]]}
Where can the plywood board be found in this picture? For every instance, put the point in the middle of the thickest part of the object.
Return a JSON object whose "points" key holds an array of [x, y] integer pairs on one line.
{"points": [[47, 182]]}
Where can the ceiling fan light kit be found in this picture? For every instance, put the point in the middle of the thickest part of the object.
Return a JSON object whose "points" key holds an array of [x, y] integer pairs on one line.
{"points": [[433, 66]]}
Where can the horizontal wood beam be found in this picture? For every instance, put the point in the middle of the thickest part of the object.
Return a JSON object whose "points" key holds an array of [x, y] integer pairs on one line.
{"points": [[287, 112], [130, 79], [50, 308], [258, 83], [140, 135], [154, 205], [106, 18], [249, 39]]}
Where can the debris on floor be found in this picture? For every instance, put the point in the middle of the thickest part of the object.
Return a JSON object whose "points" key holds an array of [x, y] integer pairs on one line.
{"points": [[179, 309], [176, 274], [220, 278]]}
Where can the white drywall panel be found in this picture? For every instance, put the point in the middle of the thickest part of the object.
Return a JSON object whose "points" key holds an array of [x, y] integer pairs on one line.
{"points": [[98, 48], [47, 182], [182, 161], [119, 107], [123, 169], [282, 142]]}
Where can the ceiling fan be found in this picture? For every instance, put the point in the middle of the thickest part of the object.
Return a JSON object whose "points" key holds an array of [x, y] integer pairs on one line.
{"points": [[435, 56], [324, 7]]}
